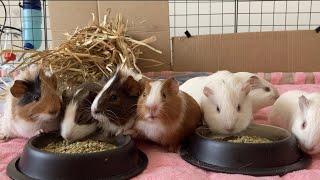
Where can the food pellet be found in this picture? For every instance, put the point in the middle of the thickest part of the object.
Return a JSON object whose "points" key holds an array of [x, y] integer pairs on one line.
{"points": [[242, 139], [87, 146]]}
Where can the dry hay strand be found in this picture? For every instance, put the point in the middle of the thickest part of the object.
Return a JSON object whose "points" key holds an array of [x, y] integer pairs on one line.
{"points": [[92, 52]]}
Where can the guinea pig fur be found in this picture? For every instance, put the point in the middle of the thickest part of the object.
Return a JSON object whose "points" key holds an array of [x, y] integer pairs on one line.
{"points": [[165, 114], [77, 122], [32, 104], [299, 112], [115, 105], [262, 96], [225, 103]]}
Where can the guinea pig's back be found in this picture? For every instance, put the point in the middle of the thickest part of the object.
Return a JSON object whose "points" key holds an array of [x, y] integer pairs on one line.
{"points": [[194, 87]]}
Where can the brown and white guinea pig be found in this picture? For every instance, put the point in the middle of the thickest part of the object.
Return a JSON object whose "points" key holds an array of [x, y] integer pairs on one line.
{"points": [[115, 105], [165, 114], [32, 104], [77, 121]]}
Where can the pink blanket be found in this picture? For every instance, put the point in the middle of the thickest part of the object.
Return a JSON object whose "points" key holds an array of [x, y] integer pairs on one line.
{"points": [[163, 165]]}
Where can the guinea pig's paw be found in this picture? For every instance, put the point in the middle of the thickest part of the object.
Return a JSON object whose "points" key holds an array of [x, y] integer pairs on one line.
{"points": [[120, 131], [4, 138], [131, 132]]}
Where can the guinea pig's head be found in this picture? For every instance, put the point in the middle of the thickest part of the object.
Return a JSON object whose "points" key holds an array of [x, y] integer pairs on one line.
{"points": [[306, 125], [265, 94], [77, 122], [160, 100], [35, 96], [226, 106], [117, 101]]}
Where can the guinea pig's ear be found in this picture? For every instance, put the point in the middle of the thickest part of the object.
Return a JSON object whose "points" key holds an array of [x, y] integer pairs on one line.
{"points": [[53, 81], [132, 87], [303, 103], [142, 84], [207, 91], [172, 84], [19, 88], [252, 83]]}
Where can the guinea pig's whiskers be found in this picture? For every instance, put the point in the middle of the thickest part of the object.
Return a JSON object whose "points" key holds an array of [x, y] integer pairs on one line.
{"points": [[112, 113]]}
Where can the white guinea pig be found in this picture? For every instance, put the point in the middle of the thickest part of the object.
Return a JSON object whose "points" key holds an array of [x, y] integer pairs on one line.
{"points": [[299, 112], [262, 96], [77, 121], [194, 86], [225, 102]]}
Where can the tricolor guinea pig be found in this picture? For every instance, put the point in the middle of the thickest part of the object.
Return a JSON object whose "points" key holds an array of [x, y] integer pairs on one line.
{"points": [[77, 122], [264, 95], [115, 105], [165, 114], [299, 112], [32, 104]]}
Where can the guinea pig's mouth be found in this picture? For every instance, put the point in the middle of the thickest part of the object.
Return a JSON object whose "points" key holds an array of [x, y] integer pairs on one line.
{"points": [[151, 117]]}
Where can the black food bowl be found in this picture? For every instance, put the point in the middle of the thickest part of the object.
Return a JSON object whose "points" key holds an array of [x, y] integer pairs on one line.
{"points": [[121, 163], [279, 157]]}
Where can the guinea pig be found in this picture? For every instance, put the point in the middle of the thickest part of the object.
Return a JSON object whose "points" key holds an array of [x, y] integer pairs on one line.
{"points": [[32, 104], [115, 105], [262, 96], [77, 122], [165, 114], [194, 86], [225, 102], [299, 112]]}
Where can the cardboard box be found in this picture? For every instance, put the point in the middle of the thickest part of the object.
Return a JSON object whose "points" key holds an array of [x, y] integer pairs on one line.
{"points": [[286, 51]]}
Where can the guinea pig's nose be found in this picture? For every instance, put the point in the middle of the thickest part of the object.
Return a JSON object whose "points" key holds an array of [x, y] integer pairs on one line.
{"points": [[153, 108], [229, 129]]}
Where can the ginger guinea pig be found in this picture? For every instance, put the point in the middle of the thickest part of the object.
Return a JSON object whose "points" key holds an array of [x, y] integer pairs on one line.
{"points": [[32, 104], [299, 112], [77, 122], [165, 114], [115, 105]]}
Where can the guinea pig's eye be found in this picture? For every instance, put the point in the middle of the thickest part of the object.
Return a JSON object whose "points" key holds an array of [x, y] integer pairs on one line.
{"points": [[218, 109], [303, 125], [267, 89], [113, 97], [238, 108], [36, 97], [164, 95]]}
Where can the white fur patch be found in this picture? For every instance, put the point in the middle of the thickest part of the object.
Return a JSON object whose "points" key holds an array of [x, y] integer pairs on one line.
{"points": [[154, 96], [94, 105]]}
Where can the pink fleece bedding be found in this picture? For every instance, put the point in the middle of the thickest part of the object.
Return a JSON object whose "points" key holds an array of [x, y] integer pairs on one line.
{"points": [[163, 165]]}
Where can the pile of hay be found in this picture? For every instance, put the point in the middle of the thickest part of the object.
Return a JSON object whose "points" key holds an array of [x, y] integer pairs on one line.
{"points": [[92, 52]]}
